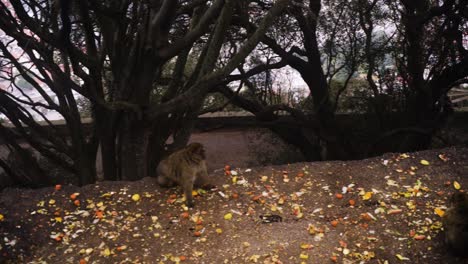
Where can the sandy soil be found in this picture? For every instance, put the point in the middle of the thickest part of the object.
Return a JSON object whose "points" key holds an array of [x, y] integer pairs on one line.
{"points": [[380, 210]]}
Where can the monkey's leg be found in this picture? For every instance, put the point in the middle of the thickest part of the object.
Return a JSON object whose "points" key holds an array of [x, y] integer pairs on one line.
{"points": [[165, 182], [203, 183], [201, 180], [188, 188]]}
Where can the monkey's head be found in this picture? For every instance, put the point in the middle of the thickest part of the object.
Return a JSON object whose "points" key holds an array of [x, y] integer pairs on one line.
{"points": [[196, 149], [459, 199]]}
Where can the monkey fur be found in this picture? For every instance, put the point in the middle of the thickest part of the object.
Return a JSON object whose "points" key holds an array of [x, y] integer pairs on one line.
{"points": [[186, 168], [455, 222]]}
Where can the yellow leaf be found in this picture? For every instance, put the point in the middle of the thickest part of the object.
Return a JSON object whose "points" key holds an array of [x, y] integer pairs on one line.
{"points": [[456, 185], [367, 196], [306, 246], [106, 195], [400, 257], [106, 252], [303, 256], [425, 162], [52, 201], [228, 216], [1, 217], [194, 193], [439, 212], [219, 230], [58, 219], [254, 258], [136, 197]]}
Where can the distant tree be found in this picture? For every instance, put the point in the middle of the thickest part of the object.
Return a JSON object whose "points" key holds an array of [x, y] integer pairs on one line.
{"points": [[410, 52]]}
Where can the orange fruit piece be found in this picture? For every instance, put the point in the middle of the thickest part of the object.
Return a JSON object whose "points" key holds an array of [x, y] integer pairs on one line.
{"points": [[334, 223], [184, 215], [99, 214]]}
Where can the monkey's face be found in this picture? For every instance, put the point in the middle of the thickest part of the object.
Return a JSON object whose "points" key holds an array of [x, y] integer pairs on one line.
{"points": [[197, 149]]}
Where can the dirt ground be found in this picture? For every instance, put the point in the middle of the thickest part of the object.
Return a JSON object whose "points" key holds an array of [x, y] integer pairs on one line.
{"points": [[380, 210]]}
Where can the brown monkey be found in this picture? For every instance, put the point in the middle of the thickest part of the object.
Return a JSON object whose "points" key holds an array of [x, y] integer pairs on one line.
{"points": [[455, 223], [187, 168]]}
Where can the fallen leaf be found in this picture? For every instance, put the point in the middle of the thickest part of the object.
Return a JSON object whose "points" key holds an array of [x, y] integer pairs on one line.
{"points": [[121, 248], [228, 216], [394, 211], [439, 212], [419, 237], [106, 252], [400, 257], [456, 185], [136, 197], [367, 196], [307, 246], [254, 258], [443, 157], [425, 162]]}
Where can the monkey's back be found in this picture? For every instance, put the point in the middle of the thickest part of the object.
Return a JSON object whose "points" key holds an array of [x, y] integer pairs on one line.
{"points": [[184, 164], [455, 223]]}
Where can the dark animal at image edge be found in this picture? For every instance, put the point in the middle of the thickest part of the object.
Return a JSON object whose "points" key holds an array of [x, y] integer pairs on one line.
{"points": [[455, 223], [186, 168]]}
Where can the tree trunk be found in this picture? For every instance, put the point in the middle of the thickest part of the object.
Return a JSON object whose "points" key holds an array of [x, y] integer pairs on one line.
{"points": [[105, 131], [134, 145]]}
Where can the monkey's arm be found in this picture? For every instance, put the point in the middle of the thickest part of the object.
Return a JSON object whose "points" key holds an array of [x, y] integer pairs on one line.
{"points": [[202, 179]]}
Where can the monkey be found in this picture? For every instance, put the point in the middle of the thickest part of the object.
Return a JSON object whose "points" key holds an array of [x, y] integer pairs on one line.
{"points": [[455, 222], [186, 168]]}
